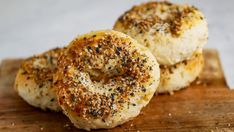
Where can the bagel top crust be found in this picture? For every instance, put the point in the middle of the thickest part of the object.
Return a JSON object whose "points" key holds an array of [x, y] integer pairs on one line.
{"points": [[164, 16], [104, 72], [41, 67]]}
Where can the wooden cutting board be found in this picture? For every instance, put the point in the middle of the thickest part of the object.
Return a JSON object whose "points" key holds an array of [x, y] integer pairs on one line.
{"points": [[207, 105]]}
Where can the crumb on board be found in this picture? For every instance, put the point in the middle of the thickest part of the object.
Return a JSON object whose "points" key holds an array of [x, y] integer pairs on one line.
{"points": [[201, 83], [198, 82], [171, 93], [12, 124], [67, 126]]}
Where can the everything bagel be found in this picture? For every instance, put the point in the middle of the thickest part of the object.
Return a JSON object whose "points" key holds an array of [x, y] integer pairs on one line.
{"points": [[104, 79], [34, 80], [172, 32]]}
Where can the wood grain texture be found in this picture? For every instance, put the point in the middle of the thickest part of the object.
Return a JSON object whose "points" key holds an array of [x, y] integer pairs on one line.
{"points": [[207, 105]]}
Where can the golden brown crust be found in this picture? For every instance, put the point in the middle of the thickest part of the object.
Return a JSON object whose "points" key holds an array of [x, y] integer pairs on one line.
{"points": [[174, 19], [34, 80], [90, 54], [189, 64], [180, 75], [42, 67]]}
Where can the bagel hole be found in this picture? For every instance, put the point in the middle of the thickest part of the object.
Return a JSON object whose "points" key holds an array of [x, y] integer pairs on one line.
{"points": [[98, 75]]}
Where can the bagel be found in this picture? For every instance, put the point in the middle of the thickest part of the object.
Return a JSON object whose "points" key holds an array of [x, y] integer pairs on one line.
{"points": [[172, 32], [181, 75], [34, 80], [104, 79]]}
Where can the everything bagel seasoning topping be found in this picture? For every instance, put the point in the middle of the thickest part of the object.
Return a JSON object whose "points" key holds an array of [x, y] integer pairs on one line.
{"points": [[159, 17], [104, 72], [41, 67]]}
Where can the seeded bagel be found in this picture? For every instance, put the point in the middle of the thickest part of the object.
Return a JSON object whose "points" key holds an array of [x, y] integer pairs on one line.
{"points": [[172, 32], [104, 79], [34, 80], [181, 75]]}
